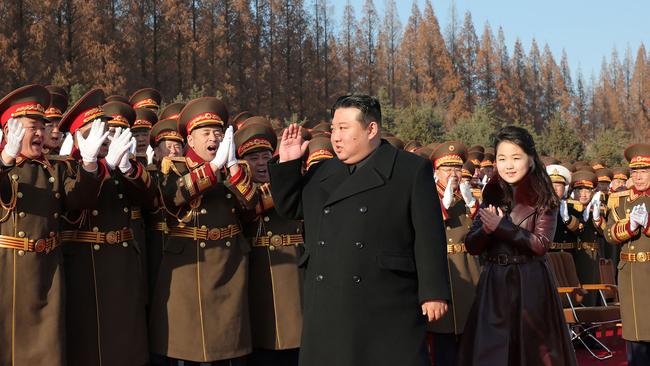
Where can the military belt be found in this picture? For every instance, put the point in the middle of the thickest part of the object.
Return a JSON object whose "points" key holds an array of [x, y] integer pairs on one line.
{"points": [[30, 245], [456, 248], [161, 226], [635, 257], [587, 246], [563, 246], [96, 237], [507, 259], [278, 240], [136, 214], [205, 233]]}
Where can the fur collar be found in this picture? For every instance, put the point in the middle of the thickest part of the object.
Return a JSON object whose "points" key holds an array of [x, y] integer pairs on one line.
{"points": [[524, 194]]}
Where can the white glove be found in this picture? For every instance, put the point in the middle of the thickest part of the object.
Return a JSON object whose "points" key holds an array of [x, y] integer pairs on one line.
{"points": [[149, 153], [564, 211], [595, 205], [66, 146], [15, 134], [232, 152], [484, 180], [1, 137], [89, 147], [125, 162], [120, 146], [448, 196], [223, 152], [133, 149], [638, 217], [466, 192]]}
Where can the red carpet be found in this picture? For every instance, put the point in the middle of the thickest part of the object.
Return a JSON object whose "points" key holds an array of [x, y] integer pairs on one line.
{"points": [[612, 341]]}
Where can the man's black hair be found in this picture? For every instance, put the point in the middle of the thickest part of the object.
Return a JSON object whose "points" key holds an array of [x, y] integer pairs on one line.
{"points": [[369, 107]]}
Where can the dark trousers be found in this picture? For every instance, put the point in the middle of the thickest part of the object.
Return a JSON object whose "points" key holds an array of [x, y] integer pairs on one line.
{"points": [[264, 357], [445, 346], [638, 353], [158, 360]]}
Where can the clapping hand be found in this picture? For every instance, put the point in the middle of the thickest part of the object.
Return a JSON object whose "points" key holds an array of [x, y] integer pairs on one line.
{"points": [[490, 217], [292, 145]]}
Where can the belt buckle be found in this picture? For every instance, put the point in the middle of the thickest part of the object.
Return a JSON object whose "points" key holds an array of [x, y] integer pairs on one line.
{"points": [[457, 248], [641, 257], [40, 245], [214, 234], [276, 240], [502, 259], [112, 237]]}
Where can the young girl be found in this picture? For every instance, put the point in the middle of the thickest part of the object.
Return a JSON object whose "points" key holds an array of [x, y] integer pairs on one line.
{"points": [[517, 316]]}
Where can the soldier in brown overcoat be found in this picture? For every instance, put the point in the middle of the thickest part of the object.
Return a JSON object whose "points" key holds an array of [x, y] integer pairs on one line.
{"points": [[199, 308], [35, 192], [275, 282]]}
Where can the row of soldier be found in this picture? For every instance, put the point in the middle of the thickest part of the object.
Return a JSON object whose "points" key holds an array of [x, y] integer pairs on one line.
{"points": [[151, 237]]}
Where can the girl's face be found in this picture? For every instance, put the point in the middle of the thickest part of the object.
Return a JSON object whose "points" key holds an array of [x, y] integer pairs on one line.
{"points": [[512, 162]]}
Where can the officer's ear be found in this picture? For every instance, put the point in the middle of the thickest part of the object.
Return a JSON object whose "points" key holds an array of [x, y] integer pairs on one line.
{"points": [[190, 140], [373, 130]]}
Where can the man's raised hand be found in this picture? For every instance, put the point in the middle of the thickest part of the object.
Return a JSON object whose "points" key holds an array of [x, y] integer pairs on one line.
{"points": [[292, 145]]}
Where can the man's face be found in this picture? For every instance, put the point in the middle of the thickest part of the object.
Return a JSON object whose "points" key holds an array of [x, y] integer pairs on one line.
{"points": [[487, 170], [53, 138], [603, 187], [33, 140], [617, 183], [559, 189], [641, 179], [352, 141], [449, 175], [141, 140], [258, 162], [168, 148], [584, 195], [205, 141]]}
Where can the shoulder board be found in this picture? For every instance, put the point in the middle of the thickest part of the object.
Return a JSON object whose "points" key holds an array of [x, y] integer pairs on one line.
{"points": [[59, 157], [576, 205], [168, 164], [615, 198]]}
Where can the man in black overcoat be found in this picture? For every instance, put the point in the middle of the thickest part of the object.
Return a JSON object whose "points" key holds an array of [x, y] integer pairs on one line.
{"points": [[375, 260]]}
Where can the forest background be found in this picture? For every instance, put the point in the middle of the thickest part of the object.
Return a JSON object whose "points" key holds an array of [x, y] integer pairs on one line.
{"points": [[289, 59]]}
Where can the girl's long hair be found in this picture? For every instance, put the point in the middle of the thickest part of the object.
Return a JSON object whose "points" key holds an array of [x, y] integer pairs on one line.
{"points": [[540, 182]]}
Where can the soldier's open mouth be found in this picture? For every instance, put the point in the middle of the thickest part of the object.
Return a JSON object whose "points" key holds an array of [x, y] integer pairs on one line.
{"points": [[212, 148]]}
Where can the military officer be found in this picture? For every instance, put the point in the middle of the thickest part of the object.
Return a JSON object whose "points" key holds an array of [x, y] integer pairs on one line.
{"points": [[35, 193], [58, 104], [604, 176], [171, 111], [627, 225], [146, 98], [459, 207], [275, 280], [591, 214], [620, 176], [567, 221], [199, 308], [412, 146], [103, 261], [487, 165]]}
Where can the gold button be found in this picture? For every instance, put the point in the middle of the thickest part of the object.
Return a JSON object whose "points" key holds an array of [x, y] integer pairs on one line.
{"points": [[228, 244], [267, 219], [125, 244], [228, 195], [120, 195], [202, 244], [270, 233], [96, 246], [631, 247], [56, 215], [126, 209], [21, 253], [95, 229], [271, 247], [95, 212], [21, 214], [232, 210], [57, 195], [448, 228], [298, 230], [203, 227], [14, 177], [19, 194], [21, 234], [204, 211], [450, 240], [51, 179], [116, 182]]}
